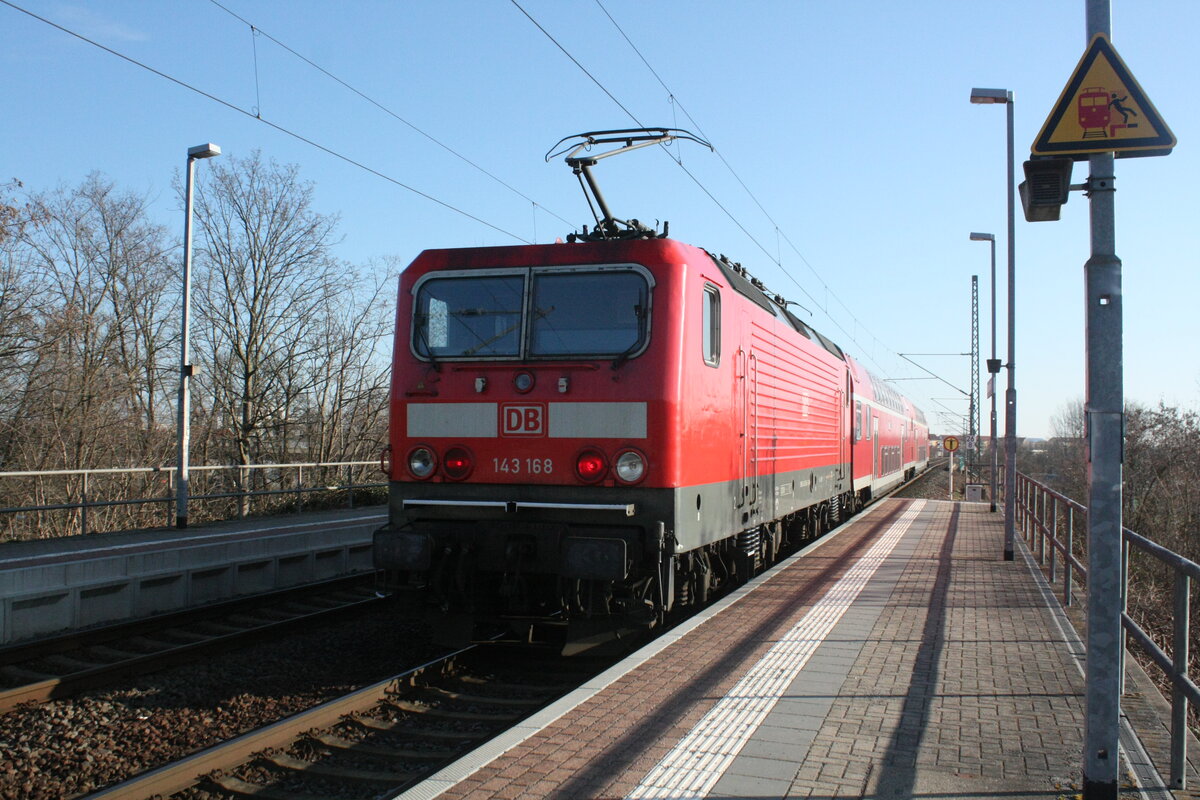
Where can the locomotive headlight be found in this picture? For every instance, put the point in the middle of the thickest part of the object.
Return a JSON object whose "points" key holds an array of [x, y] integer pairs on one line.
{"points": [[630, 466], [421, 462], [523, 382]]}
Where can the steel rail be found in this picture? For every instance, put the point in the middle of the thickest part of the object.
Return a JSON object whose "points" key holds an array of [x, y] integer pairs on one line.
{"points": [[72, 683], [183, 774]]}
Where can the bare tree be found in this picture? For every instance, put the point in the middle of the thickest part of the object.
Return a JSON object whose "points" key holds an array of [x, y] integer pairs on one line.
{"points": [[82, 277], [291, 343], [99, 265], [1162, 459], [265, 281], [19, 299], [349, 371], [1069, 421], [1067, 467]]}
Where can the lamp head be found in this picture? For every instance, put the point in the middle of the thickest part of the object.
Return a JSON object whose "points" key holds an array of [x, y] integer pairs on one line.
{"points": [[983, 237], [204, 151], [991, 96]]}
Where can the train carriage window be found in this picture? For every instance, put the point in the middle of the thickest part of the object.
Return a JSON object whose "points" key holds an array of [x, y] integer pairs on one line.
{"points": [[457, 317], [533, 312], [588, 313], [712, 325], [858, 421]]}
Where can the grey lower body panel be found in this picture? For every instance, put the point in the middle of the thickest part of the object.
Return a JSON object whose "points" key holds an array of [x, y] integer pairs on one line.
{"points": [[693, 516]]}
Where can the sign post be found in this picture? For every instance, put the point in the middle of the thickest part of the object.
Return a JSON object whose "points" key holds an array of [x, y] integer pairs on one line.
{"points": [[951, 444], [1103, 114]]}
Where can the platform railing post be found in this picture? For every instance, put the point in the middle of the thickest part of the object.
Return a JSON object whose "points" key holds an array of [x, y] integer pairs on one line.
{"points": [[1027, 512], [170, 496], [1069, 563], [1035, 528], [1031, 520], [1179, 669], [1018, 489], [83, 506], [1018, 494], [1041, 518], [1022, 511], [1053, 538], [1123, 636]]}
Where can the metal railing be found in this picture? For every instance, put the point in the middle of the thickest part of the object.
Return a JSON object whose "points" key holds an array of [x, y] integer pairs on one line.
{"points": [[78, 494], [1041, 514]]}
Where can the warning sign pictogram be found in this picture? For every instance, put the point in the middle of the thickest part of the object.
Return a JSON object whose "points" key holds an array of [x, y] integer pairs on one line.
{"points": [[1103, 110]]}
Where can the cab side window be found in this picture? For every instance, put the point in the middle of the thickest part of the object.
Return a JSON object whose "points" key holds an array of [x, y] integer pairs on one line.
{"points": [[711, 320]]}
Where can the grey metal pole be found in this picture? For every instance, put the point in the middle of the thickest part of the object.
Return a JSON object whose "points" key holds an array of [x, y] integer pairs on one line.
{"points": [[992, 362], [185, 364], [1105, 423], [1010, 394], [185, 367], [992, 381]]}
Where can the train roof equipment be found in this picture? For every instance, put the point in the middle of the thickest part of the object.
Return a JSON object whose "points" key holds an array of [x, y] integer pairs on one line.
{"points": [[581, 160]]}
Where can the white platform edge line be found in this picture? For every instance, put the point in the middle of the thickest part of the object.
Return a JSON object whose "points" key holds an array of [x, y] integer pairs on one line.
{"points": [[468, 764], [717, 725]]}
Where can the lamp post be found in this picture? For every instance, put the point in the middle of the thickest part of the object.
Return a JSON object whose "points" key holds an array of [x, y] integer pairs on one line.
{"points": [[185, 364], [993, 365], [1005, 97]]}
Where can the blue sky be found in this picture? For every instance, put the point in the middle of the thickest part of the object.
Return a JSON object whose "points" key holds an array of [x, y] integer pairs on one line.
{"points": [[850, 165]]}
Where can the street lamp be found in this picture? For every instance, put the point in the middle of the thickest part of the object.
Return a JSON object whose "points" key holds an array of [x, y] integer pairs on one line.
{"points": [[993, 365], [1004, 96], [185, 364]]}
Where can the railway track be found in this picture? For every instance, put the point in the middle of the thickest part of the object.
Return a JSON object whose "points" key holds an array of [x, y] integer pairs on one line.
{"points": [[381, 738], [52, 669], [162, 719]]}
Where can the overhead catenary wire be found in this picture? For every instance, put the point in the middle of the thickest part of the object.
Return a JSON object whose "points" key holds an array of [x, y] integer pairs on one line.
{"points": [[865, 353], [640, 124], [258, 117], [779, 231], [259, 31]]}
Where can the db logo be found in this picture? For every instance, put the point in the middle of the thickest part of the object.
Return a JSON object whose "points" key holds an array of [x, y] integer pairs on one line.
{"points": [[525, 420]]}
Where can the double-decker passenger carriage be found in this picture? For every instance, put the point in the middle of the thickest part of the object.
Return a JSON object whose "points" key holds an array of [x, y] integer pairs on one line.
{"points": [[891, 437], [585, 435]]}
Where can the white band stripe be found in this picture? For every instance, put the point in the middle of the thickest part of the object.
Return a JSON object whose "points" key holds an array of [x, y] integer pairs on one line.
{"points": [[565, 420], [699, 760]]}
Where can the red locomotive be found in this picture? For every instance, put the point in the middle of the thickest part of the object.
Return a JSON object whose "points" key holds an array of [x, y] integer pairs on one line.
{"points": [[586, 435]]}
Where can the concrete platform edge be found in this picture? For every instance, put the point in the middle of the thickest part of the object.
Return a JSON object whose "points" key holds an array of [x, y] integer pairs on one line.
{"points": [[468, 764]]}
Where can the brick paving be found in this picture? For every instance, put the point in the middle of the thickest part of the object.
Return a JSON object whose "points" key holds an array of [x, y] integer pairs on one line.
{"points": [[945, 678], [962, 687]]}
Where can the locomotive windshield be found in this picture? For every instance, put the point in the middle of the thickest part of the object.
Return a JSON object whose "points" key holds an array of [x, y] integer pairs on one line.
{"points": [[558, 313]]}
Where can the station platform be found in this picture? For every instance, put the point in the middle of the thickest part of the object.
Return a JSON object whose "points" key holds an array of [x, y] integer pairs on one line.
{"points": [[51, 586], [898, 657]]}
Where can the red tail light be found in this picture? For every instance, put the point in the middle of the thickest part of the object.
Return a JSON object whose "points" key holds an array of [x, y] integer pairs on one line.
{"points": [[590, 466], [457, 463]]}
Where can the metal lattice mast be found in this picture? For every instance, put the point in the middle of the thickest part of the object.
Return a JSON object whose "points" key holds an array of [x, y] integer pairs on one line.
{"points": [[973, 434]]}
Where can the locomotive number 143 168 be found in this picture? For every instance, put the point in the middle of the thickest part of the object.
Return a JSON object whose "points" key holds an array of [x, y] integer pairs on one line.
{"points": [[522, 466]]}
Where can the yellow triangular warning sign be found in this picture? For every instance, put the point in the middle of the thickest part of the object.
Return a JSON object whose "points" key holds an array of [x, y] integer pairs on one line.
{"points": [[1103, 110]]}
